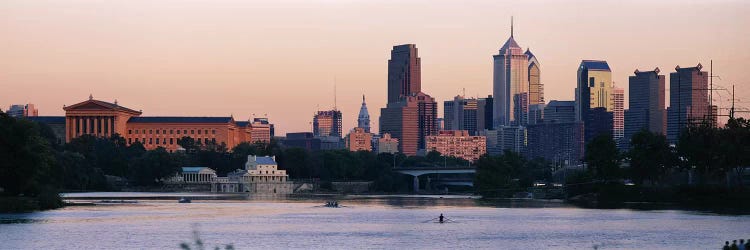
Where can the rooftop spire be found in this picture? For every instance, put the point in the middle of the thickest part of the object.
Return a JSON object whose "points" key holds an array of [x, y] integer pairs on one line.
{"points": [[511, 26]]}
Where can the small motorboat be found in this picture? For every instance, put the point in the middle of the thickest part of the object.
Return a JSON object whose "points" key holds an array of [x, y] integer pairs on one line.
{"points": [[184, 200], [332, 204]]}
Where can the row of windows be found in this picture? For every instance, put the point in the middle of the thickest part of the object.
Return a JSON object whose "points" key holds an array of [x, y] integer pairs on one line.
{"points": [[163, 141], [171, 131]]}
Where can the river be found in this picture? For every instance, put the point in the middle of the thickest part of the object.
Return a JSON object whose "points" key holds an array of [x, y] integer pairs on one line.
{"points": [[157, 221]]}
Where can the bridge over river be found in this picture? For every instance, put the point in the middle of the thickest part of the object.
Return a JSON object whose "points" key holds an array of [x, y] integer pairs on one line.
{"points": [[418, 171]]}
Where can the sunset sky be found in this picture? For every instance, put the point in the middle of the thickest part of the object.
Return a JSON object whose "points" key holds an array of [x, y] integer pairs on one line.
{"points": [[281, 58]]}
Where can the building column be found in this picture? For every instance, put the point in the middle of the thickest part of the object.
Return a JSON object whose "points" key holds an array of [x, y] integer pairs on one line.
{"points": [[85, 127], [67, 128], [72, 130], [416, 184], [76, 126], [105, 127], [109, 126]]}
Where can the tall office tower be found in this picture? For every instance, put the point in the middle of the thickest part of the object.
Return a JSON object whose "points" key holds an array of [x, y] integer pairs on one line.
{"points": [[410, 121], [510, 85], [536, 88], [20, 110], [404, 76], [327, 123], [598, 122], [536, 113], [688, 100], [646, 104], [410, 115], [363, 119], [560, 112], [449, 114], [618, 114], [594, 91], [558, 138], [511, 138], [486, 108], [594, 87], [463, 114], [427, 110]]}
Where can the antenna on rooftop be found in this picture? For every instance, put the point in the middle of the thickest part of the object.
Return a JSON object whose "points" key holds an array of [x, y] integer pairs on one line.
{"points": [[334, 93], [511, 26]]}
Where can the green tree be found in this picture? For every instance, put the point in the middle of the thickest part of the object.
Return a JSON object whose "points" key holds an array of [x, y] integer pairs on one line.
{"points": [[651, 158], [698, 148], [603, 158], [26, 156], [734, 149], [501, 175], [297, 163], [188, 143], [154, 166]]}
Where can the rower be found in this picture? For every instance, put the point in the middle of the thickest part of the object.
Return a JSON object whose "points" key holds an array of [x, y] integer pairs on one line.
{"points": [[441, 218]]}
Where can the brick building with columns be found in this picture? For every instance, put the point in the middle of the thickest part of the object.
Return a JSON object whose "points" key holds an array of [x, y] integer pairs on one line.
{"points": [[103, 119]]}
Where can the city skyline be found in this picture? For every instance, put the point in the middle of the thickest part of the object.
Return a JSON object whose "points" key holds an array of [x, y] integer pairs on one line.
{"points": [[217, 64]]}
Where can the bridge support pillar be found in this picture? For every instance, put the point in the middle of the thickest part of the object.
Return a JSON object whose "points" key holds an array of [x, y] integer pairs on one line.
{"points": [[416, 184]]}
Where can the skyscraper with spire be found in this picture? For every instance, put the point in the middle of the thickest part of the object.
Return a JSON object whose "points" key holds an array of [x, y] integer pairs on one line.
{"points": [[363, 120], [511, 84]]}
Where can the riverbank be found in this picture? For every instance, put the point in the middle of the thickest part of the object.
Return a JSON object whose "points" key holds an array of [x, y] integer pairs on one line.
{"points": [[18, 204], [599, 197], [714, 199]]}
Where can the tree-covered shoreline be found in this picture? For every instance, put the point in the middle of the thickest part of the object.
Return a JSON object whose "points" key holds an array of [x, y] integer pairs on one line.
{"points": [[35, 169]]}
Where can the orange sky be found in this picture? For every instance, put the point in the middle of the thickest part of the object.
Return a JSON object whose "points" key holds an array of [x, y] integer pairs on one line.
{"points": [[220, 57]]}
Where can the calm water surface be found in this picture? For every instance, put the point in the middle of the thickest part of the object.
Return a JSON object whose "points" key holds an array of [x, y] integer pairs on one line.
{"points": [[365, 222]]}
